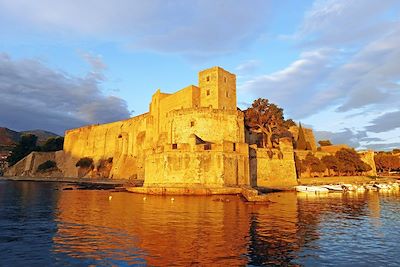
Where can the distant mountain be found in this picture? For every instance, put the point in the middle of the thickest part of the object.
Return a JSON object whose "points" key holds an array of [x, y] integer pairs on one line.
{"points": [[8, 138]]}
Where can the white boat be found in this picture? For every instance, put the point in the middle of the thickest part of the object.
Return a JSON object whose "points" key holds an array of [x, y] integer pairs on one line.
{"points": [[334, 187], [360, 188], [349, 187], [371, 187], [383, 186], [314, 189]]}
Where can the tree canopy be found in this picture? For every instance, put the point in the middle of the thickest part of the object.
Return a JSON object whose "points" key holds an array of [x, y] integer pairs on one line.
{"points": [[26, 145], [53, 144], [267, 119], [314, 164], [350, 161], [344, 162], [386, 162], [331, 163], [302, 143]]}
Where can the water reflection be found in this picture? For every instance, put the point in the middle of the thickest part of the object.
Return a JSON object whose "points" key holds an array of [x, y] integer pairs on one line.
{"points": [[274, 231], [86, 228], [155, 231]]}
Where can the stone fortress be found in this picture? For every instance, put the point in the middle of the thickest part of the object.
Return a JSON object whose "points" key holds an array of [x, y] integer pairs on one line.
{"points": [[193, 138]]}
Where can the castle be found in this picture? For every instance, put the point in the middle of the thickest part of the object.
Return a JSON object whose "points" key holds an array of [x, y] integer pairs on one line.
{"points": [[193, 138]]}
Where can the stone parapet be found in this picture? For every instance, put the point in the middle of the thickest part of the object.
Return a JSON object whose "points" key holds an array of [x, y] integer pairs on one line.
{"points": [[273, 168]]}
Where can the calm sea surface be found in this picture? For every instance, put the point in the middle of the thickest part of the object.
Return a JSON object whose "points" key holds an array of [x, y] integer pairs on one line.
{"points": [[41, 224]]}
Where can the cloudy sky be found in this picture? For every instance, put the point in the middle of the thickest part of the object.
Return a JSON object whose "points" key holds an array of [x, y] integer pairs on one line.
{"points": [[333, 65]]}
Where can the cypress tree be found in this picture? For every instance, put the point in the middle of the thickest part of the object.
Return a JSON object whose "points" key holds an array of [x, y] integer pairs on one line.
{"points": [[301, 139]]}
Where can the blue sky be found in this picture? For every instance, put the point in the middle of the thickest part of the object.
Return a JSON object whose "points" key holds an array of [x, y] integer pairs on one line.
{"points": [[333, 65]]}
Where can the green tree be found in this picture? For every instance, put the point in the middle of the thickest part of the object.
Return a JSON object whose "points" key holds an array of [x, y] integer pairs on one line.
{"points": [[386, 162], [289, 123], [331, 163], [314, 164], [267, 119], [302, 143], [350, 162], [25, 146], [53, 144]]}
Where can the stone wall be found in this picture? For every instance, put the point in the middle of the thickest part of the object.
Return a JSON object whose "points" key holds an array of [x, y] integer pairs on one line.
{"points": [[332, 149], [28, 165], [124, 141], [368, 157], [188, 165], [273, 168], [212, 125], [308, 134]]}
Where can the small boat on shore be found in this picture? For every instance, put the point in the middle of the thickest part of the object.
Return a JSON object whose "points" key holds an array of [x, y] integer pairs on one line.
{"points": [[350, 187], [334, 187], [383, 186], [313, 189], [371, 187], [360, 188]]}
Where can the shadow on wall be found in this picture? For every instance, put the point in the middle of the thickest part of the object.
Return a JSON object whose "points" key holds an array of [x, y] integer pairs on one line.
{"points": [[253, 166]]}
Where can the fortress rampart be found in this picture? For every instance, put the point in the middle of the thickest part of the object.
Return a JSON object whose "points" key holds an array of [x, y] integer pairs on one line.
{"points": [[192, 138]]}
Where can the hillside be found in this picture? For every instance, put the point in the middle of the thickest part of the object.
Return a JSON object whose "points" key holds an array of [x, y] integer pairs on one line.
{"points": [[8, 138]]}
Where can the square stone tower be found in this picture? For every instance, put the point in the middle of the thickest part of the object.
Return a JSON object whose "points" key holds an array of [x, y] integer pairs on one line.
{"points": [[217, 89]]}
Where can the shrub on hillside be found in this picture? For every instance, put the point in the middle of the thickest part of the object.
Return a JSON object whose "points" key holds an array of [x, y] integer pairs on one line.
{"points": [[85, 163], [53, 144], [25, 146], [47, 165]]}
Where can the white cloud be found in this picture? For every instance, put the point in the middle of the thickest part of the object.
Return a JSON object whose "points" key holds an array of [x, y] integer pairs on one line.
{"points": [[199, 27], [247, 67], [293, 88], [350, 60], [385, 122], [339, 22], [383, 146], [346, 136], [33, 96], [95, 61]]}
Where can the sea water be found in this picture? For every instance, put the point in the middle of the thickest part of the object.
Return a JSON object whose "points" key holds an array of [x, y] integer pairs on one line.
{"points": [[42, 224]]}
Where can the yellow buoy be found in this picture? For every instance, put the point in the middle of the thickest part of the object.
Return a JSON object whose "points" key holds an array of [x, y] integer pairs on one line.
{"points": [[109, 197], [172, 199], [144, 198]]}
